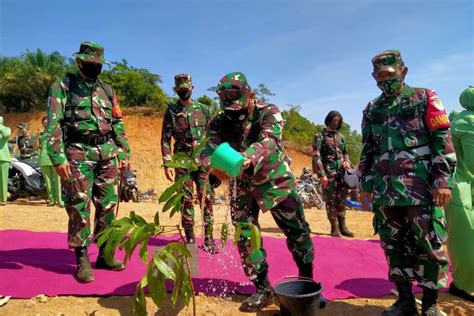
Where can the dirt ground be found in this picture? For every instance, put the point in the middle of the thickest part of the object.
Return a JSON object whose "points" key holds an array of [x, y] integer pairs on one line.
{"points": [[35, 216], [144, 136]]}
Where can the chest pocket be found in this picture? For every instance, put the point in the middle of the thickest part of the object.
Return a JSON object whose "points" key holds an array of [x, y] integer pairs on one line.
{"points": [[412, 127], [104, 103], [180, 127], [78, 106]]}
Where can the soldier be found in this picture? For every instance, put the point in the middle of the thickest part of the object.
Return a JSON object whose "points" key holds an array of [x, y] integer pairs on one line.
{"points": [[186, 122], [255, 129], [330, 158], [406, 161], [24, 142], [87, 145]]}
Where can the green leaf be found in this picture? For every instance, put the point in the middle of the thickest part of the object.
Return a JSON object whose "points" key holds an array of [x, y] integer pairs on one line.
{"points": [[156, 285], [144, 250], [181, 248], [123, 222], [171, 190], [164, 268], [238, 231], [157, 219], [255, 238], [178, 207], [137, 219], [224, 234], [139, 301], [173, 202], [178, 284]]}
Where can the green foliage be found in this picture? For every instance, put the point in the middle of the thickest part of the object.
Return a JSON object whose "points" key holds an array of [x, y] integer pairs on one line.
{"points": [[25, 80], [135, 86], [211, 103], [262, 92], [299, 130]]}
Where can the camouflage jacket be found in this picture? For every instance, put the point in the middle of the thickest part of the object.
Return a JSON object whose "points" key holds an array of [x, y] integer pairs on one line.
{"points": [[259, 138], [406, 148], [83, 108], [187, 125], [25, 146], [329, 151]]}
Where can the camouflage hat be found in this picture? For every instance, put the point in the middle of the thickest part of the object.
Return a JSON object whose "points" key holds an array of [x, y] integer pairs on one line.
{"points": [[91, 51], [389, 60], [233, 90], [22, 126], [183, 81]]}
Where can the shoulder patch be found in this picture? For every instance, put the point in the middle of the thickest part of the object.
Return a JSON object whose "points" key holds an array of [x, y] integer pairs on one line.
{"points": [[435, 116], [116, 111]]}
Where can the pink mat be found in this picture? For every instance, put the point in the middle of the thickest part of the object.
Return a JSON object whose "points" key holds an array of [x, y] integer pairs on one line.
{"points": [[33, 263]]}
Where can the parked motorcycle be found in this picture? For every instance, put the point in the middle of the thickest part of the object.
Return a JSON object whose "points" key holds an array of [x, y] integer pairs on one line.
{"points": [[25, 180], [129, 190], [310, 190]]}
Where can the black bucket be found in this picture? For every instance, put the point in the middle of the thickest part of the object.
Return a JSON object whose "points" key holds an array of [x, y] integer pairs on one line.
{"points": [[298, 297]]}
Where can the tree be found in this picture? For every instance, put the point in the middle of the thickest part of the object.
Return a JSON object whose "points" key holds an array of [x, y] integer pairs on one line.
{"points": [[135, 86], [262, 92], [25, 80], [213, 105]]}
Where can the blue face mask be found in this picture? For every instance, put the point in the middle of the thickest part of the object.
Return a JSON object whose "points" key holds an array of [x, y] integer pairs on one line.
{"points": [[391, 86]]}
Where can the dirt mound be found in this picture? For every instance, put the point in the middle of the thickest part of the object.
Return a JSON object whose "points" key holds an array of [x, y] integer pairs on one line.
{"points": [[143, 127]]}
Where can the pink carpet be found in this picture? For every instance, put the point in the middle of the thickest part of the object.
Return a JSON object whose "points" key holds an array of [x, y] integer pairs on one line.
{"points": [[33, 263]]}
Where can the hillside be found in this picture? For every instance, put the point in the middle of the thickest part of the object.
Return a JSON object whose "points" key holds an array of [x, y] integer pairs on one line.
{"points": [[144, 133]]}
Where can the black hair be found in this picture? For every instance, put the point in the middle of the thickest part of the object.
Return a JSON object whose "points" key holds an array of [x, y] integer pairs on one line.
{"points": [[331, 115]]}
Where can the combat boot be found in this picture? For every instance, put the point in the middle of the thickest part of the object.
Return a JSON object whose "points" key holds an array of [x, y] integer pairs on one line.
{"points": [[117, 265], [428, 303], [263, 297], [209, 245], [305, 270], [334, 228], [84, 271], [189, 232], [343, 228], [405, 305]]}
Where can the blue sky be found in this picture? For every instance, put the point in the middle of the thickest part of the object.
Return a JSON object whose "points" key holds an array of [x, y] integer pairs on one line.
{"points": [[312, 53]]}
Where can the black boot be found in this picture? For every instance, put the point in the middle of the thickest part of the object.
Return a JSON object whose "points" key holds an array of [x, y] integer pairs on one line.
{"points": [[189, 232], [428, 303], [84, 271], [102, 264], [305, 270], [209, 245], [334, 228], [343, 228], [405, 305], [263, 297]]}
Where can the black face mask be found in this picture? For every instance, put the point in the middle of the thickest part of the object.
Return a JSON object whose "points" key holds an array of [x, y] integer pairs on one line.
{"points": [[184, 94], [91, 70], [237, 115]]}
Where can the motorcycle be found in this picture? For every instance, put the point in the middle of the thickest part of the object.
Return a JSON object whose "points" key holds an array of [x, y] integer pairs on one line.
{"points": [[310, 191], [25, 180], [129, 190]]}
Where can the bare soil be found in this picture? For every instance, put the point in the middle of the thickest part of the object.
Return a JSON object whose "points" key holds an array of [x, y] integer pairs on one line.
{"points": [[144, 135]]}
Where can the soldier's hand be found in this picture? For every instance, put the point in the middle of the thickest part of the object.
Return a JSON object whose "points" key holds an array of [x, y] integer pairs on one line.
{"points": [[365, 198], [346, 165], [219, 174], [124, 164], [441, 196], [324, 181], [169, 174], [247, 163], [63, 170]]}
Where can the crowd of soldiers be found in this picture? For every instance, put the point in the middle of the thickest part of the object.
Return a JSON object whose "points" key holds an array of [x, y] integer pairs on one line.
{"points": [[406, 166]]}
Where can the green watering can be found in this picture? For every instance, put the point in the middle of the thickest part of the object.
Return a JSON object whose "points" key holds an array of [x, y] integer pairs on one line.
{"points": [[227, 159]]}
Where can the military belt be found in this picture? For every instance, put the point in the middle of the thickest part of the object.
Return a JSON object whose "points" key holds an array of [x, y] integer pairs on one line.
{"points": [[91, 140]]}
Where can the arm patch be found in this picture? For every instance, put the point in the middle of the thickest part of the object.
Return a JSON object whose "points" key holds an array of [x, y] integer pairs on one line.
{"points": [[435, 116]]}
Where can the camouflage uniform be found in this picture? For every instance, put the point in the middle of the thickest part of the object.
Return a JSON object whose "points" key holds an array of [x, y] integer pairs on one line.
{"points": [[407, 152], [86, 129], [24, 143], [329, 151], [187, 125], [268, 184]]}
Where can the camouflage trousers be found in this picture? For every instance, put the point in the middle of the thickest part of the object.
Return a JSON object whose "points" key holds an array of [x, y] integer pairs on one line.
{"points": [[199, 178], [412, 238], [288, 215], [334, 195], [91, 181]]}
